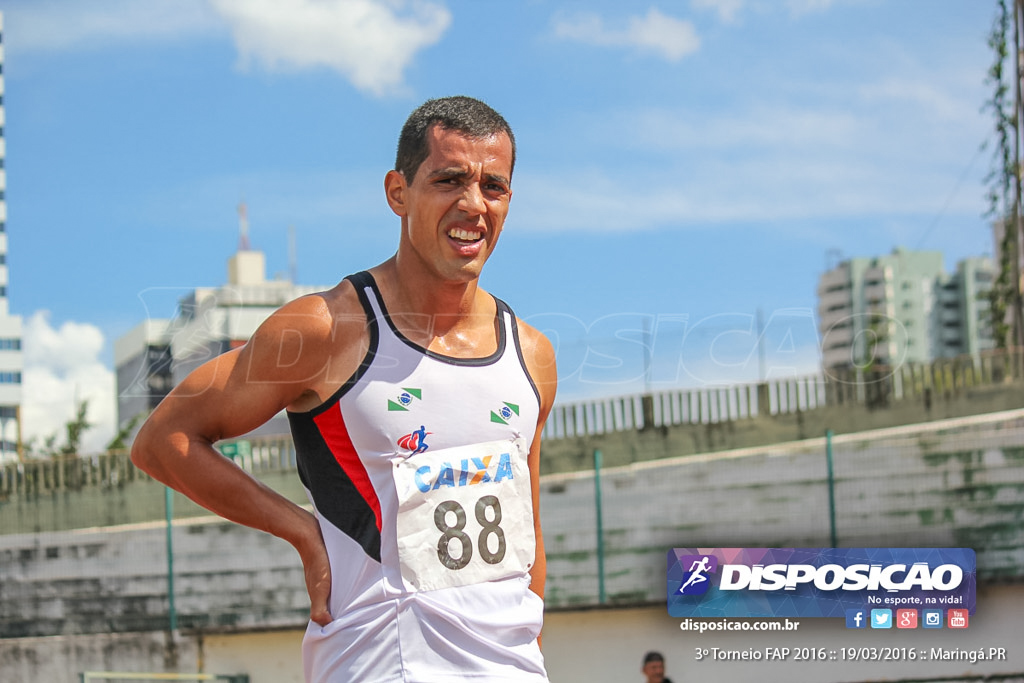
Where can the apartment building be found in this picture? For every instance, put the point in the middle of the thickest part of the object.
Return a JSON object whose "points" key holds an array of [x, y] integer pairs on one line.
{"points": [[903, 307]]}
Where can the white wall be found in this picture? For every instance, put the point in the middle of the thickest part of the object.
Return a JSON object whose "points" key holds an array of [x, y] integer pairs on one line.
{"points": [[960, 482], [591, 646]]}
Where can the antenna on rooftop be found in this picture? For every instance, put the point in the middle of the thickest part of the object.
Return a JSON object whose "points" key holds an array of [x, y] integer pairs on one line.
{"points": [[243, 227], [833, 257]]}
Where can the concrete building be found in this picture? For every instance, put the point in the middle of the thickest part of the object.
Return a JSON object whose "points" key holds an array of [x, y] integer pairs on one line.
{"points": [[11, 363], [153, 357], [143, 367], [903, 308], [965, 322]]}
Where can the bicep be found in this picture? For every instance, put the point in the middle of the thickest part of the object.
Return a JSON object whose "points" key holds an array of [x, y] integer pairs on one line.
{"points": [[539, 357], [223, 399], [241, 389]]}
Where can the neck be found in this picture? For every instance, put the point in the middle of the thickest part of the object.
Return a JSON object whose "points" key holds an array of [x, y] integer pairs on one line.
{"points": [[414, 298], [423, 293]]}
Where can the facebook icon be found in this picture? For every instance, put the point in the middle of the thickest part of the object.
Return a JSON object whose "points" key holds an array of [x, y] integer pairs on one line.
{"points": [[856, 618]]}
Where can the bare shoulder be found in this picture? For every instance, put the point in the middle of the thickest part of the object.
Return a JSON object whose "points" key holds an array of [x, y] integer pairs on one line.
{"points": [[539, 356], [314, 342], [289, 362], [319, 315]]}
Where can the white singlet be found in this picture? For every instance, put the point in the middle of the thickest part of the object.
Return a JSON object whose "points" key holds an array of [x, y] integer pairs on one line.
{"points": [[417, 470]]}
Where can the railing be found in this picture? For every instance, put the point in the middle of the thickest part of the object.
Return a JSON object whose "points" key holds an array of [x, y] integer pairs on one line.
{"points": [[875, 387], [879, 386], [66, 473], [685, 406], [37, 477]]}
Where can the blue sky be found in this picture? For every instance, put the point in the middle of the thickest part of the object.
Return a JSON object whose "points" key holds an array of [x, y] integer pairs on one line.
{"points": [[686, 163]]}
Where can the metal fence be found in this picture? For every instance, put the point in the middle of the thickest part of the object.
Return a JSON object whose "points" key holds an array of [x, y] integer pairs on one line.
{"points": [[685, 406], [876, 386], [954, 483]]}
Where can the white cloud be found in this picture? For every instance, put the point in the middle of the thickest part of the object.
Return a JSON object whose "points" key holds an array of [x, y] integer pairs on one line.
{"points": [[367, 41], [932, 99], [47, 25], [62, 365], [901, 145], [668, 37], [780, 128], [726, 9], [760, 189], [799, 8]]}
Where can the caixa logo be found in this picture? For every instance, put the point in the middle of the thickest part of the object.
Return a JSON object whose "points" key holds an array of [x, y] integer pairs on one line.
{"points": [[696, 580]]}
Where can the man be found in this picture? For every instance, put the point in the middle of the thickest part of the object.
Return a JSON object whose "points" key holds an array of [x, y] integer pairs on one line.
{"points": [[654, 668], [416, 401]]}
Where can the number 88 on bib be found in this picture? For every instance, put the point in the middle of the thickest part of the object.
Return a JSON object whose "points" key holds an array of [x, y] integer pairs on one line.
{"points": [[465, 515]]}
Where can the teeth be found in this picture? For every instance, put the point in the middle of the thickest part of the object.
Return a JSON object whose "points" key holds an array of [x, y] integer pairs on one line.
{"points": [[460, 234]]}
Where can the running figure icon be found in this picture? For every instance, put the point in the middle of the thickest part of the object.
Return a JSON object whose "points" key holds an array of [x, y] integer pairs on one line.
{"points": [[697, 569]]}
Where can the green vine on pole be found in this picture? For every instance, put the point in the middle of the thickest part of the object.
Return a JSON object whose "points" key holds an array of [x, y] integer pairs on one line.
{"points": [[1001, 177]]}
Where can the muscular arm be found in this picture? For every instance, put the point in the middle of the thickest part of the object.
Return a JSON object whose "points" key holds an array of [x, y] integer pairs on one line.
{"points": [[281, 366], [540, 361]]}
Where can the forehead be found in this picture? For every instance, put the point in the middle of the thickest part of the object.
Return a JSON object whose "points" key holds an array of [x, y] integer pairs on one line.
{"points": [[456, 149]]}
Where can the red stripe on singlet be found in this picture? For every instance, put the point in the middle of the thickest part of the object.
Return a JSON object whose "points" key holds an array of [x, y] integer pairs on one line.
{"points": [[332, 427]]}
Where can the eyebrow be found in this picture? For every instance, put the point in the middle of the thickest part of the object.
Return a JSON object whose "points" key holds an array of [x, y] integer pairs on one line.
{"points": [[459, 172], [494, 177], [450, 172]]}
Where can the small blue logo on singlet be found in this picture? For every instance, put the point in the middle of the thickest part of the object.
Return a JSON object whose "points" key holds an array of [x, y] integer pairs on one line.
{"points": [[416, 441]]}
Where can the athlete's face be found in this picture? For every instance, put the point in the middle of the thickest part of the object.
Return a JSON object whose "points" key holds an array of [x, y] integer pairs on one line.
{"points": [[655, 672], [453, 210]]}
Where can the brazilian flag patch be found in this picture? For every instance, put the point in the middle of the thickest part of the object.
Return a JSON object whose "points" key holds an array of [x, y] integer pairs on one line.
{"points": [[505, 413]]}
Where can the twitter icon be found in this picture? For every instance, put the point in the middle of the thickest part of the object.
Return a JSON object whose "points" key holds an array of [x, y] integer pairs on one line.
{"points": [[881, 618]]}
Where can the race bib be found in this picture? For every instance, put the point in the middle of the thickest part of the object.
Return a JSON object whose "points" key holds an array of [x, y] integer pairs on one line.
{"points": [[465, 515]]}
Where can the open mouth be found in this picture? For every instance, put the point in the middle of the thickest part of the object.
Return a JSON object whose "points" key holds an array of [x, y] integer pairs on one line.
{"points": [[465, 236]]}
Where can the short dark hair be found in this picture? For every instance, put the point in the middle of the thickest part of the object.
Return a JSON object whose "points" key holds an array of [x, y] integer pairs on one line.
{"points": [[653, 656], [465, 115]]}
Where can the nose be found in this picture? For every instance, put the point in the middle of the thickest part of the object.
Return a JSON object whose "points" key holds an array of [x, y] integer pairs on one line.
{"points": [[472, 201]]}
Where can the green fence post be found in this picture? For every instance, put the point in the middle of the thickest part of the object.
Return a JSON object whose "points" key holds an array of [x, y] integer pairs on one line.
{"points": [[169, 512], [600, 526], [831, 489]]}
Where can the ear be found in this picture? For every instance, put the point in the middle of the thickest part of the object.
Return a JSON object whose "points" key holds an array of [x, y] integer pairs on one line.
{"points": [[394, 190]]}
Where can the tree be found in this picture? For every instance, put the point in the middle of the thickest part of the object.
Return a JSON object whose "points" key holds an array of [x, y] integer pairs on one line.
{"points": [[120, 440], [1004, 193], [73, 431]]}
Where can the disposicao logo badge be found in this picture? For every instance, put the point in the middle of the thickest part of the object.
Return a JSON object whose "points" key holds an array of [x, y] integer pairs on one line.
{"points": [[821, 582], [696, 580]]}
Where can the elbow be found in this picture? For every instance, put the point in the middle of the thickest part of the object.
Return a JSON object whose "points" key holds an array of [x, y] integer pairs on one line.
{"points": [[142, 454], [138, 455]]}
